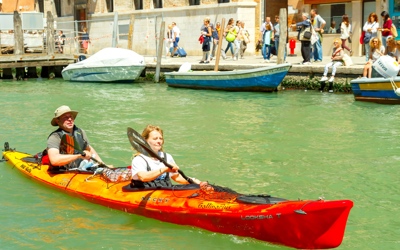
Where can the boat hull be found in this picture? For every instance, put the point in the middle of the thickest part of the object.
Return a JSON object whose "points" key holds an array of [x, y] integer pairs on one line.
{"points": [[377, 90], [104, 74], [306, 224], [265, 79]]}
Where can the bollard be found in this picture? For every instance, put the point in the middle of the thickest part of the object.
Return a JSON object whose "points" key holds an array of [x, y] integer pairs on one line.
{"points": [[292, 46]]}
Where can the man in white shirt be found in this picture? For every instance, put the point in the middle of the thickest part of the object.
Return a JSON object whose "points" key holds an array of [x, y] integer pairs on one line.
{"points": [[175, 37]]}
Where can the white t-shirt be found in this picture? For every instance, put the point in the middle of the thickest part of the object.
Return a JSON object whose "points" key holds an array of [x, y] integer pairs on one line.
{"points": [[177, 31], [139, 164]]}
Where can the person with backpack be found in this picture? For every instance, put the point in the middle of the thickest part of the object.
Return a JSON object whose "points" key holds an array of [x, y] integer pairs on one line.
{"points": [[370, 29]]}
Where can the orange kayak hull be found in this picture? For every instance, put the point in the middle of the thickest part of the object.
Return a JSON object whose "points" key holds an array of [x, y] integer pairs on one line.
{"points": [[305, 224]]}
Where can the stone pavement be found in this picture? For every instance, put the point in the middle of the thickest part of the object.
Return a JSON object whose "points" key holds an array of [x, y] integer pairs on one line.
{"points": [[254, 61]]}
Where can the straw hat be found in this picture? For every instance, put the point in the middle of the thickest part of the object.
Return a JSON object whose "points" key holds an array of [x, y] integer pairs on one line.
{"points": [[60, 111]]}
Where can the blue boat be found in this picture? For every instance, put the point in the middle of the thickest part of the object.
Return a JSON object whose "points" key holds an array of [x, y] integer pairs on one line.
{"points": [[265, 79], [378, 90]]}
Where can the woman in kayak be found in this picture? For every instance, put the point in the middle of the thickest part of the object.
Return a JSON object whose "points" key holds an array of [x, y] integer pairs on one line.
{"points": [[150, 172]]}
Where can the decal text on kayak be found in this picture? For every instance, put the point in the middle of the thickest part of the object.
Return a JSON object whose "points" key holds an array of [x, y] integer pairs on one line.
{"points": [[257, 217], [155, 199], [210, 205]]}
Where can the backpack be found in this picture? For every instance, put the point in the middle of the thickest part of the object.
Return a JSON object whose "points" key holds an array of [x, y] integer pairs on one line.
{"points": [[393, 30]]}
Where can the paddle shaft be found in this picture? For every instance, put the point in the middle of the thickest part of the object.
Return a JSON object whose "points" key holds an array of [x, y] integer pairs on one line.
{"points": [[132, 135]]}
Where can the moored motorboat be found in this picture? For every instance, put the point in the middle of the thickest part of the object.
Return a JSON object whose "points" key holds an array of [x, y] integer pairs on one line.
{"points": [[306, 224], [107, 65], [376, 89], [264, 79]]}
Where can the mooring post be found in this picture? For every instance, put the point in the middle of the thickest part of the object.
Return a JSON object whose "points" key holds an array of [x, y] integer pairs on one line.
{"points": [[18, 35], [160, 51], [131, 29], [50, 42]]}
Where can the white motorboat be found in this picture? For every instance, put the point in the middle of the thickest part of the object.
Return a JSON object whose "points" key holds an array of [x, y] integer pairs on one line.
{"points": [[107, 65]]}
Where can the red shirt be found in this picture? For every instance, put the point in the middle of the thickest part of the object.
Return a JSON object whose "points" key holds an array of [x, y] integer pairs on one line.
{"points": [[387, 25]]}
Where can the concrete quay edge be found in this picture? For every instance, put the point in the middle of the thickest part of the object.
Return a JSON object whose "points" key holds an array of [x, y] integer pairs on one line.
{"points": [[169, 64]]}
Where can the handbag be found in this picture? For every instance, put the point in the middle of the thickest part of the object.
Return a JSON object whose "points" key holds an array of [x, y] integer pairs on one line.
{"points": [[347, 60], [367, 37], [349, 39], [305, 34], [362, 37], [314, 36], [230, 37]]}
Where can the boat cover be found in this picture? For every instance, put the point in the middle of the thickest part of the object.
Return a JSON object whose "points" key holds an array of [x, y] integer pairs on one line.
{"points": [[110, 57]]}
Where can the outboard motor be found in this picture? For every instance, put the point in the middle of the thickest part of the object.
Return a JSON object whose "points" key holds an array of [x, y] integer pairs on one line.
{"points": [[388, 67], [81, 58]]}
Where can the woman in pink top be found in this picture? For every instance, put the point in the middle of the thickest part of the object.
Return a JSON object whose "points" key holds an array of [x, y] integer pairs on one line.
{"points": [[387, 24]]}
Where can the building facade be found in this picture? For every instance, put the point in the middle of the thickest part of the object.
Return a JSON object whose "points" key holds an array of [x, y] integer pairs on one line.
{"points": [[98, 17]]}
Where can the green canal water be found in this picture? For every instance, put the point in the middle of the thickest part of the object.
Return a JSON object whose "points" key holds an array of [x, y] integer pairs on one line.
{"points": [[291, 144]]}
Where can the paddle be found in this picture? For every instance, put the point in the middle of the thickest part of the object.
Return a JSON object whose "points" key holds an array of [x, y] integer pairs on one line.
{"points": [[69, 142], [141, 145]]}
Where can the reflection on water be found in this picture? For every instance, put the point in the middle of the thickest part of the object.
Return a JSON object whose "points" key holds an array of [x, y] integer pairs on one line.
{"points": [[291, 144]]}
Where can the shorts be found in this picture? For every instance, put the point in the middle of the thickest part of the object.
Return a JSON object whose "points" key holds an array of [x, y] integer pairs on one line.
{"points": [[176, 42]]}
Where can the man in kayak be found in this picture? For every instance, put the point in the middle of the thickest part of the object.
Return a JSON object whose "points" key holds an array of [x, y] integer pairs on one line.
{"points": [[72, 154], [150, 172]]}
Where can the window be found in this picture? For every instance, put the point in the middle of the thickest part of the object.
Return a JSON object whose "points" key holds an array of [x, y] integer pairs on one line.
{"points": [[157, 4], [223, 1], [123, 31], [110, 5], [138, 4], [332, 14], [57, 4], [194, 2], [41, 6]]}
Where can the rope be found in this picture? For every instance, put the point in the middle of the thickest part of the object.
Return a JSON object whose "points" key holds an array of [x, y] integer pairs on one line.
{"points": [[394, 86]]}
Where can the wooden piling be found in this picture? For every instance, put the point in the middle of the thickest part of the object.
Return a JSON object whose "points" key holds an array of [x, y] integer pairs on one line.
{"points": [[18, 35], [7, 73], [32, 73], [130, 35], [50, 42], [283, 30], [160, 51]]}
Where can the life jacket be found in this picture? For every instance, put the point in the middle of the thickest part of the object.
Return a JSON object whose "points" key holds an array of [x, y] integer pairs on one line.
{"points": [[166, 182], [77, 134]]}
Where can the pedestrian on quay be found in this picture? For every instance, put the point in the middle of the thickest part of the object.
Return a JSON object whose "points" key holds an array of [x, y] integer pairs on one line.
{"points": [[206, 33], [336, 61], [276, 36], [345, 31], [304, 26], [85, 40], [215, 38], [229, 45], [168, 41], [236, 30], [176, 32], [370, 28], [332, 29], [266, 31], [386, 27], [318, 23], [244, 38]]}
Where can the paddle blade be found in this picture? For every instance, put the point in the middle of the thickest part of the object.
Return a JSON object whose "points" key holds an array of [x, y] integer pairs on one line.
{"points": [[139, 143]]}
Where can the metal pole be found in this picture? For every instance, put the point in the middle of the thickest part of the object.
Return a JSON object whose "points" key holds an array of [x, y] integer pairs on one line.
{"points": [[115, 31], [159, 51], [77, 37]]}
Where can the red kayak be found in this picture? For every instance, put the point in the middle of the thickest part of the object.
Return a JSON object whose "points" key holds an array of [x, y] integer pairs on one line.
{"points": [[306, 224]]}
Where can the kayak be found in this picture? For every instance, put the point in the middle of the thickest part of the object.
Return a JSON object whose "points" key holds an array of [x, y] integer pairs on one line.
{"points": [[305, 224]]}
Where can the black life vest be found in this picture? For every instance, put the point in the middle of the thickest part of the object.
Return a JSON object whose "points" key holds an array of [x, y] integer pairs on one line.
{"points": [[154, 183], [77, 134]]}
